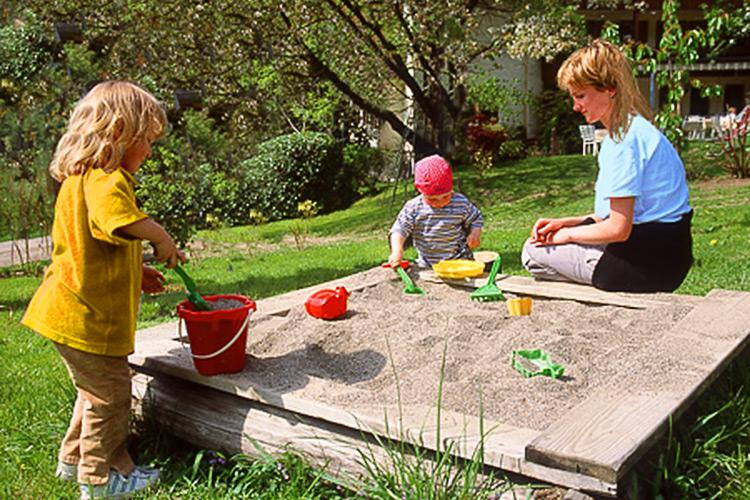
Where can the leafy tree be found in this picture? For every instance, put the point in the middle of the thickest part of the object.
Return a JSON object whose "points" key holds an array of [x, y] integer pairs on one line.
{"points": [[264, 65], [32, 112], [386, 56]]}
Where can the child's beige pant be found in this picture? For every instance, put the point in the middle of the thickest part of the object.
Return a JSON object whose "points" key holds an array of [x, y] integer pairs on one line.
{"points": [[96, 438]]}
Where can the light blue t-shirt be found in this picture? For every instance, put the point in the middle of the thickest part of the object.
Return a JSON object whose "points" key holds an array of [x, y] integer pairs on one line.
{"points": [[646, 166]]}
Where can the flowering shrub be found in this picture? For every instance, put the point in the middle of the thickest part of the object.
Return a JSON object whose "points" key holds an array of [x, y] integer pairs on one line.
{"points": [[485, 134], [735, 148]]}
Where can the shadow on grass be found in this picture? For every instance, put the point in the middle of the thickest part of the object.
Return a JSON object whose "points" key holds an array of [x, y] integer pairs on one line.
{"points": [[532, 175]]}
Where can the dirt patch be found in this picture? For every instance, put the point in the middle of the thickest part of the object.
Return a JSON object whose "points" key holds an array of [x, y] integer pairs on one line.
{"points": [[202, 249], [722, 182], [391, 343]]}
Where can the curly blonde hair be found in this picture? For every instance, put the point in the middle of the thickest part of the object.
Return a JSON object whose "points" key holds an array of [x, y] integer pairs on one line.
{"points": [[108, 120], [603, 66]]}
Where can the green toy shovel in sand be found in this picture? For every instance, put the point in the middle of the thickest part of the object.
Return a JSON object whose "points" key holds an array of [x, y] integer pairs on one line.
{"points": [[193, 296], [409, 287], [490, 291]]}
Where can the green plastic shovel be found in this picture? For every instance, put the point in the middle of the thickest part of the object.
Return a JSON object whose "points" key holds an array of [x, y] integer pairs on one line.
{"points": [[193, 296], [410, 286]]}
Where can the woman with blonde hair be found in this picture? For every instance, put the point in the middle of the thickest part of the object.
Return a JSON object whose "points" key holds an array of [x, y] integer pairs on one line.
{"points": [[638, 239], [87, 303]]}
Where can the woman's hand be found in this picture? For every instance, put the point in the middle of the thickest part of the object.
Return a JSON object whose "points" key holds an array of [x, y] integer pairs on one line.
{"points": [[559, 237], [616, 227], [544, 229], [152, 281]]}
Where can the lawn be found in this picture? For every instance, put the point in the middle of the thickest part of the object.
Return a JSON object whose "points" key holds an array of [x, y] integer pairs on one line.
{"points": [[707, 455]]}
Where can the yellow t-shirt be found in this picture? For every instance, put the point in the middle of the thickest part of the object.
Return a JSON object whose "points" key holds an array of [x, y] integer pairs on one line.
{"points": [[89, 297]]}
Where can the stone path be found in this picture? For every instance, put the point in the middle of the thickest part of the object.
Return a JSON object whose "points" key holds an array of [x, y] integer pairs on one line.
{"points": [[20, 251]]}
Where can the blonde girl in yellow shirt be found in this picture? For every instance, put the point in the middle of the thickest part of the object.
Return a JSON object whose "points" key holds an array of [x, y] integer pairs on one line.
{"points": [[87, 303]]}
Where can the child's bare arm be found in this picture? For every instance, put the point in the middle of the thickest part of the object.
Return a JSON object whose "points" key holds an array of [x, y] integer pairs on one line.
{"points": [[165, 249], [474, 237], [397, 248]]}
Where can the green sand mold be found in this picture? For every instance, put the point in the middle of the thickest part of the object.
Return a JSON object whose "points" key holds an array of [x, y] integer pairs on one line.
{"points": [[533, 362]]}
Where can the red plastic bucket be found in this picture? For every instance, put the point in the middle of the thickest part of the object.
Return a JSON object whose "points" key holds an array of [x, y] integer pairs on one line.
{"points": [[217, 338]]}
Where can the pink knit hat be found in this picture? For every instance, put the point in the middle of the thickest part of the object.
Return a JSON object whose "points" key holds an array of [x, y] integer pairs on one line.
{"points": [[433, 176]]}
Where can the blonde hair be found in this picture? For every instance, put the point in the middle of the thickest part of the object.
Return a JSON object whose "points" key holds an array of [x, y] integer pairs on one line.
{"points": [[603, 66], [109, 119]]}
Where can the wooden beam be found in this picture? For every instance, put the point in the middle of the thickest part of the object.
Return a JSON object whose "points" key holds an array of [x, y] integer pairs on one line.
{"points": [[220, 421], [606, 434], [522, 285]]}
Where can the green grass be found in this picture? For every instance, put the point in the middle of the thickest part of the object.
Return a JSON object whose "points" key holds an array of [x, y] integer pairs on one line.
{"points": [[707, 455]]}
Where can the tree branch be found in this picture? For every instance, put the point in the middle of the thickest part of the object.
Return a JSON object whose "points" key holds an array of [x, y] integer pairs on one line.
{"points": [[425, 64], [394, 62], [420, 143]]}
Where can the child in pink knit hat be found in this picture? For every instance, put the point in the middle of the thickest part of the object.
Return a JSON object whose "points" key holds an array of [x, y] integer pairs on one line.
{"points": [[441, 223]]}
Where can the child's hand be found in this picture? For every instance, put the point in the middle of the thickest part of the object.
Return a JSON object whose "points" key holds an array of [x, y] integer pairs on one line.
{"points": [[166, 251], [397, 241], [395, 258], [153, 280]]}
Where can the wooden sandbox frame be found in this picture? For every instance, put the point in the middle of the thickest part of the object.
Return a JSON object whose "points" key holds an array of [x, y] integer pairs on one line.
{"points": [[592, 448]]}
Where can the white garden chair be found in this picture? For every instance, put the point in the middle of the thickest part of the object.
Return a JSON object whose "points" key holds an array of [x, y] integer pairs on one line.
{"points": [[693, 127], [588, 136]]}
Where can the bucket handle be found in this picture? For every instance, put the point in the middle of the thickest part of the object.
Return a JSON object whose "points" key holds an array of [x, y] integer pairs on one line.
{"points": [[228, 344]]}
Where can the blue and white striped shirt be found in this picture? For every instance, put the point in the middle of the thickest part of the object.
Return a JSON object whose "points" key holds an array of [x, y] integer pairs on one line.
{"points": [[438, 233]]}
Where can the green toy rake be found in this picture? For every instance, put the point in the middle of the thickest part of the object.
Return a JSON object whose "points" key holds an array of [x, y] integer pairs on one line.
{"points": [[490, 291]]}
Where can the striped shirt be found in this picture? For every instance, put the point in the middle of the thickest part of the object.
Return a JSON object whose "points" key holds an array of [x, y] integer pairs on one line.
{"points": [[438, 233]]}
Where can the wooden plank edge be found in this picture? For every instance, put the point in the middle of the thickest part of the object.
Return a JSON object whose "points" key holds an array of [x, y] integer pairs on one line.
{"points": [[389, 422], [719, 303], [596, 413], [339, 449], [736, 348], [557, 290]]}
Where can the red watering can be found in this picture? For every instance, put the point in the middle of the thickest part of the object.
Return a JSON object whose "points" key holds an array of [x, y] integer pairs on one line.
{"points": [[327, 304]]}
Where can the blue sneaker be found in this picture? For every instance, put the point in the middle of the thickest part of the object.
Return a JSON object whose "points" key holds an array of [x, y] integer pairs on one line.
{"points": [[119, 486]]}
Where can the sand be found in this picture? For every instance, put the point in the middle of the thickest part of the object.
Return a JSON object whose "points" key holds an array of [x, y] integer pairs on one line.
{"points": [[391, 343]]}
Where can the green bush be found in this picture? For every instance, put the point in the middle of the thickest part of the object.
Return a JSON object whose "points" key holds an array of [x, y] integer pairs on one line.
{"points": [[702, 160], [23, 51], [365, 165], [185, 195], [512, 149], [556, 112], [294, 168], [172, 193]]}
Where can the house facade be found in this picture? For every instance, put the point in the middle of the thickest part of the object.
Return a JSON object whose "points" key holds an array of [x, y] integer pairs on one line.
{"points": [[731, 70]]}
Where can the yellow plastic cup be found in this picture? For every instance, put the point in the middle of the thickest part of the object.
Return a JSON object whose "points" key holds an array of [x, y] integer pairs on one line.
{"points": [[520, 306]]}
